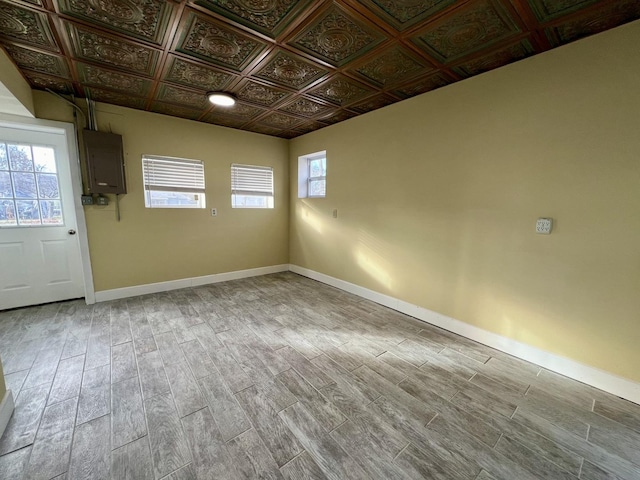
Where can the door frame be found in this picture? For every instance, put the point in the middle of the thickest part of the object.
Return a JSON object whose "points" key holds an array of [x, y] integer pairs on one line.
{"points": [[69, 132]]}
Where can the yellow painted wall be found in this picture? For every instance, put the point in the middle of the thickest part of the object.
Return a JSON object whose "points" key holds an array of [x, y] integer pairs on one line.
{"points": [[15, 92], [437, 200], [156, 245]]}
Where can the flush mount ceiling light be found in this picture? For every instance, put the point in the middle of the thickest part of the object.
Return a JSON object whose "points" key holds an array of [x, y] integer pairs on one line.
{"points": [[221, 99]]}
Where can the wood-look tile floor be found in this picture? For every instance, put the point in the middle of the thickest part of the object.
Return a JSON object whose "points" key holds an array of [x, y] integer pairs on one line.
{"points": [[282, 377]]}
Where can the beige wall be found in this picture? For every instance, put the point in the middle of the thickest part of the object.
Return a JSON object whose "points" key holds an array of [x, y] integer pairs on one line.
{"points": [[437, 200], [155, 245], [15, 92]]}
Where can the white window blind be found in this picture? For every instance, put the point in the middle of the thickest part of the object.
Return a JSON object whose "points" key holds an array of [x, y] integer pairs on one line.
{"points": [[173, 182], [251, 186]]}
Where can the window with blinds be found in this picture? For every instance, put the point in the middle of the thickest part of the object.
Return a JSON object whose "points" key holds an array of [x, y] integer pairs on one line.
{"points": [[251, 186], [173, 182]]}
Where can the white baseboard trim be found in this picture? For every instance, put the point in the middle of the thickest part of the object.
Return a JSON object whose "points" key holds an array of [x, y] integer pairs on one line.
{"points": [[597, 378], [126, 292], [6, 410]]}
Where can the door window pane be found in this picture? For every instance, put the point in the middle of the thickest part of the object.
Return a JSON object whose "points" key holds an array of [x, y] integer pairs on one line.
{"points": [[44, 159], [29, 187], [4, 161], [7, 213], [48, 186], [5, 185], [24, 185], [28, 212], [20, 158], [51, 211]]}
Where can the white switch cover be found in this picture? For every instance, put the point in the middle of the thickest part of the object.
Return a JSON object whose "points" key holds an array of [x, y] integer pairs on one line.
{"points": [[543, 225], [214, 212]]}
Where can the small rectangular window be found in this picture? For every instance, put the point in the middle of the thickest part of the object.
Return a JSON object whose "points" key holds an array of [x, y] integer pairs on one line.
{"points": [[173, 182], [251, 186], [312, 175]]}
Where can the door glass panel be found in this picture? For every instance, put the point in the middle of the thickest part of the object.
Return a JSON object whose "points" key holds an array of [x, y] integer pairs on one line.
{"points": [[5, 185], [7, 213], [20, 159], [51, 211], [28, 212], [29, 186], [4, 160], [24, 185], [44, 159], [48, 186]]}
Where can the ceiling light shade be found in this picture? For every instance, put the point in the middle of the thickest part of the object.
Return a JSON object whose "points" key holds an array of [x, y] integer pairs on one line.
{"points": [[221, 99]]}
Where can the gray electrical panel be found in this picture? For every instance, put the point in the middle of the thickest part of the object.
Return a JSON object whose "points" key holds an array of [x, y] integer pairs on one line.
{"points": [[105, 162]]}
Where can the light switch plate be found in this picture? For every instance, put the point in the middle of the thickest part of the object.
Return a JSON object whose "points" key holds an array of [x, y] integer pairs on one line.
{"points": [[543, 226]]}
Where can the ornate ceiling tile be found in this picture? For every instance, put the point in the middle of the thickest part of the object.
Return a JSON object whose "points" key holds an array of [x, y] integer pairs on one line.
{"points": [[473, 27], [144, 19], [309, 127], [280, 120], [175, 110], [609, 16], [495, 59], [261, 94], [337, 37], [240, 111], [424, 85], [40, 81], [266, 130], [196, 76], [34, 2], [393, 66], [372, 103], [211, 41], [97, 47], [26, 26], [103, 78], [290, 70], [338, 116], [115, 98], [181, 96], [38, 61], [402, 14], [224, 120], [547, 10], [305, 107], [340, 90], [266, 16]]}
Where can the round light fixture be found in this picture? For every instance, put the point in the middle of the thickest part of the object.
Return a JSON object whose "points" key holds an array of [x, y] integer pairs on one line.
{"points": [[221, 99]]}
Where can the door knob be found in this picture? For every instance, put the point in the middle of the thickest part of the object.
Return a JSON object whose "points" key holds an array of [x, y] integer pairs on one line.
{"points": [[72, 232]]}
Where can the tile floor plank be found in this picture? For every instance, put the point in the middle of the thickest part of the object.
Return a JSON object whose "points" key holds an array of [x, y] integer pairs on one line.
{"points": [[127, 412], [132, 461], [91, 451]]}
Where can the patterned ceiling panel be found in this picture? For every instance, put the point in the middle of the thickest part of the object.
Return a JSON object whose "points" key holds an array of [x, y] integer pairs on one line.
{"points": [[475, 26], [95, 46], [265, 16], [265, 95], [26, 26], [110, 79], [393, 66], [212, 41], [495, 59], [144, 19], [336, 36], [289, 70], [295, 66], [403, 14], [193, 75], [38, 61], [116, 98]]}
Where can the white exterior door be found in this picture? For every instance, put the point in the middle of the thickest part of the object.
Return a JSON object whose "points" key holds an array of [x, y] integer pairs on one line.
{"points": [[39, 249]]}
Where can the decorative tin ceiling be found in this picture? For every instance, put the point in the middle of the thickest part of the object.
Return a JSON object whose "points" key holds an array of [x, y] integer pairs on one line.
{"points": [[295, 66]]}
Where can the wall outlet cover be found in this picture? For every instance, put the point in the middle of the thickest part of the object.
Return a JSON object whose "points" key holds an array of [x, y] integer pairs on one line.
{"points": [[214, 212], [87, 200], [102, 200], [543, 226]]}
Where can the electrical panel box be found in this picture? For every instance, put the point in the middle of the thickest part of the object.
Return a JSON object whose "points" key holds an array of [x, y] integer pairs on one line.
{"points": [[105, 162]]}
